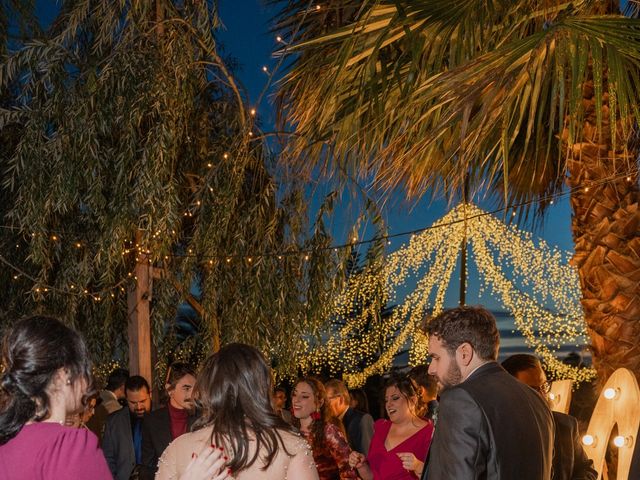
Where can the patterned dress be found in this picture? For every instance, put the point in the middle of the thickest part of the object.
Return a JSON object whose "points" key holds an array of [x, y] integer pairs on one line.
{"points": [[332, 456]]}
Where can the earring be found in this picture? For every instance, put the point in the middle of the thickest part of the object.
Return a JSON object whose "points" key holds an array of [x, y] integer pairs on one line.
{"points": [[68, 382]]}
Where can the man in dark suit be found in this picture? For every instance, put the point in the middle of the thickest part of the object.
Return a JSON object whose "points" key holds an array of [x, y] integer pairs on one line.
{"points": [[162, 426], [570, 462], [358, 425], [122, 442], [110, 399], [490, 426]]}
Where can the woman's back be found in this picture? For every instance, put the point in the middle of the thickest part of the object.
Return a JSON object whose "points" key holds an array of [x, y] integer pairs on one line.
{"points": [[50, 451], [299, 466]]}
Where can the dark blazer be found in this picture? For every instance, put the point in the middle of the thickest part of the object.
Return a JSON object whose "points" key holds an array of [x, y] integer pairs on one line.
{"points": [[359, 428], [634, 471], [117, 444], [570, 462], [156, 437], [491, 427]]}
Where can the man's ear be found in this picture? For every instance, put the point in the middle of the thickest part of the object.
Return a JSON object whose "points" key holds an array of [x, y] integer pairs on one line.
{"points": [[465, 353]]}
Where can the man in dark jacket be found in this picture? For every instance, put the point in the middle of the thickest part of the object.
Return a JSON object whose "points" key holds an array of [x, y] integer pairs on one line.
{"points": [[122, 442], [164, 425], [490, 426], [570, 462]]}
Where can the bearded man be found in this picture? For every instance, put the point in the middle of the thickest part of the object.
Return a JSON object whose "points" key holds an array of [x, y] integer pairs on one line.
{"points": [[490, 425]]}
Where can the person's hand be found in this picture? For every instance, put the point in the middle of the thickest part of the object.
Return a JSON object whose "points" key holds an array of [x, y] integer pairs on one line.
{"points": [[356, 459], [208, 464], [410, 462]]}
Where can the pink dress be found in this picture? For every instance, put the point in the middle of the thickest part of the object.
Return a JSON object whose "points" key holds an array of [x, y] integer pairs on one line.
{"points": [[385, 464], [50, 451]]}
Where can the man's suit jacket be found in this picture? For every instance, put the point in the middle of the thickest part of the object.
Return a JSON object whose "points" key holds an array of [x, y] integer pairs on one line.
{"points": [[491, 427], [108, 404], [117, 444], [634, 471], [570, 462], [359, 428], [156, 437]]}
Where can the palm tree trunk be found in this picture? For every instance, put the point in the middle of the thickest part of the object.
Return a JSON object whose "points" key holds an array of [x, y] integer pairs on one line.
{"points": [[606, 232]]}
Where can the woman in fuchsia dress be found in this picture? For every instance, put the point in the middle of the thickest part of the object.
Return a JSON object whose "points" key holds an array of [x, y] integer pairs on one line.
{"points": [[400, 444]]}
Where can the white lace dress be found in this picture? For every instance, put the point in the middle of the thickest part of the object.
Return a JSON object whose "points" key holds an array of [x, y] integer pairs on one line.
{"points": [[300, 466]]}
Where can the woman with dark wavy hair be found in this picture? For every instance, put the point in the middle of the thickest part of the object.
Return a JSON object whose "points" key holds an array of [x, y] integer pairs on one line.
{"points": [[233, 392], [325, 433], [46, 377], [400, 444]]}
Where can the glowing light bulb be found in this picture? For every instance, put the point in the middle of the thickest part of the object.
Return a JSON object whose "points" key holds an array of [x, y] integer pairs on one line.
{"points": [[253, 111], [265, 69], [621, 441], [589, 440], [610, 393]]}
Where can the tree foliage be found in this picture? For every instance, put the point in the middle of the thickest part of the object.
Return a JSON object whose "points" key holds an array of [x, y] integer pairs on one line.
{"points": [[430, 94], [125, 135]]}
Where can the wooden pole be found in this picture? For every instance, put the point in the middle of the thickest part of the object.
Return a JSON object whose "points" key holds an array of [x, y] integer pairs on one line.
{"points": [[138, 299]]}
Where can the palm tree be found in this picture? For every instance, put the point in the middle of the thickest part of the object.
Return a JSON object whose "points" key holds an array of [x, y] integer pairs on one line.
{"points": [[521, 98]]}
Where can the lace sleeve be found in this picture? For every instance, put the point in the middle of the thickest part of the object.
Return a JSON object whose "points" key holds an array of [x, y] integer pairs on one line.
{"points": [[301, 466], [340, 450], [167, 464]]}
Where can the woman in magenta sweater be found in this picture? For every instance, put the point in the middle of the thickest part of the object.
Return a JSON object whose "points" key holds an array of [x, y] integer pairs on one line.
{"points": [[47, 376]]}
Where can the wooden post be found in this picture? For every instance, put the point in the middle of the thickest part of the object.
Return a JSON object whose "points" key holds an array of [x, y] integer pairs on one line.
{"points": [[138, 298]]}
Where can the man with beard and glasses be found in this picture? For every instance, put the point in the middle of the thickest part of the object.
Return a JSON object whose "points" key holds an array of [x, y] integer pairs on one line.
{"points": [[490, 425], [122, 442]]}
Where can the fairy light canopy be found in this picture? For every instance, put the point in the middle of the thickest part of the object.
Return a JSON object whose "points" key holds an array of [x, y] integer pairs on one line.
{"points": [[532, 280]]}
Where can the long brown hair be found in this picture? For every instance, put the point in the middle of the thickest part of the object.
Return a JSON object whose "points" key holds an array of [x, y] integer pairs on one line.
{"points": [[317, 426], [233, 391]]}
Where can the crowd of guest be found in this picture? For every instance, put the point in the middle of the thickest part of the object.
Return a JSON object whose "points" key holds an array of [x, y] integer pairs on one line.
{"points": [[464, 416]]}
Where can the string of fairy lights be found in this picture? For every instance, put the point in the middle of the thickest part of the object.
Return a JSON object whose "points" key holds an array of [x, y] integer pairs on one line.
{"points": [[432, 256], [365, 344]]}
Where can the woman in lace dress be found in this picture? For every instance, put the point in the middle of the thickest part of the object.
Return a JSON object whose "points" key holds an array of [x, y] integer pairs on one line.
{"points": [[324, 432], [233, 391]]}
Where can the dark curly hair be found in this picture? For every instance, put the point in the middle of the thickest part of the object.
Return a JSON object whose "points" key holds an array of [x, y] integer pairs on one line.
{"points": [[408, 389], [473, 325], [32, 352]]}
